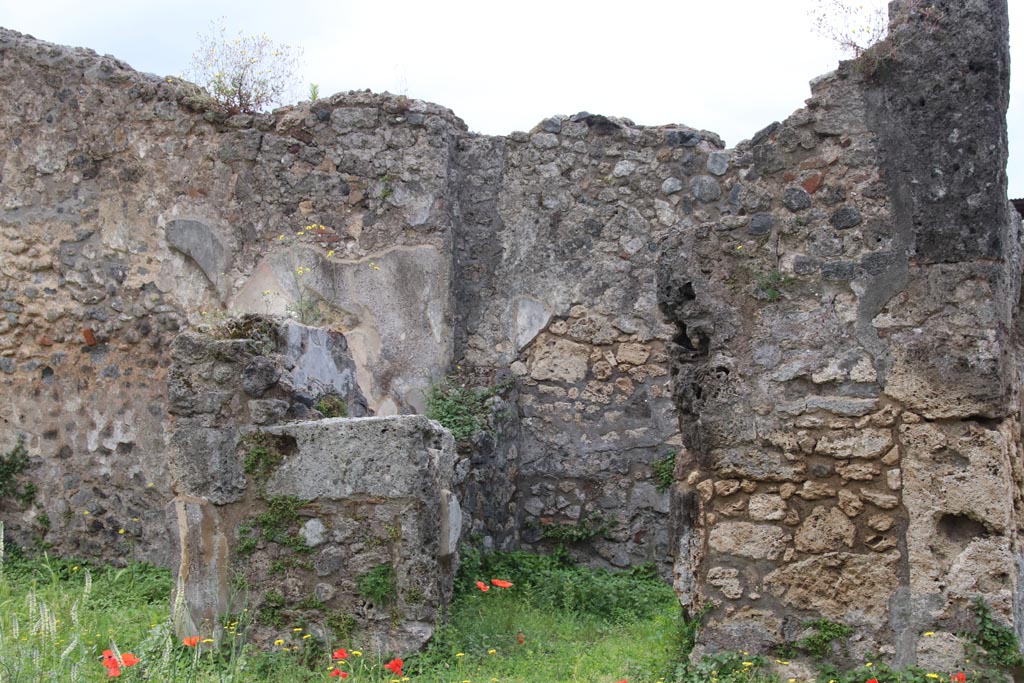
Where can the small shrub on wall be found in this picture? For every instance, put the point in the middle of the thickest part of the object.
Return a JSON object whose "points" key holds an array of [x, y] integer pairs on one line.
{"points": [[245, 73]]}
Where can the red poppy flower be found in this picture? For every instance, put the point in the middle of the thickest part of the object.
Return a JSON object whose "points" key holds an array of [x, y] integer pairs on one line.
{"points": [[520, 638], [873, 680], [190, 641], [501, 583], [395, 665], [339, 672], [340, 653], [959, 677], [128, 659], [110, 662], [483, 586]]}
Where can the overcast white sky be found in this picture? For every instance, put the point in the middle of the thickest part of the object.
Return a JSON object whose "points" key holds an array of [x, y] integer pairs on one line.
{"points": [[731, 66]]}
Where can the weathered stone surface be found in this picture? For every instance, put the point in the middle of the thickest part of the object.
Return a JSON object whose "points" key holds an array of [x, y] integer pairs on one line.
{"points": [[197, 241], [760, 224], [634, 354], [796, 199], [766, 507], [558, 360], [865, 443], [338, 450], [672, 185], [393, 311], [812, 490], [839, 586], [859, 471], [260, 375], [845, 218], [200, 541], [958, 477], [726, 580], [850, 503], [705, 188], [941, 651], [885, 501], [204, 464], [743, 539], [718, 163], [748, 627], [824, 530]]}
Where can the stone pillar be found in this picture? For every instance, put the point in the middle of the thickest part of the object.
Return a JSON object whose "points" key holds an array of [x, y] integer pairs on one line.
{"points": [[846, 366]]}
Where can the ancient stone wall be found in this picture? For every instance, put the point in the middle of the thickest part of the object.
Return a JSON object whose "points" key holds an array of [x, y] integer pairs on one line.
{"points": [[348, 524], [848, 361], [131, 212], [820, 323]]}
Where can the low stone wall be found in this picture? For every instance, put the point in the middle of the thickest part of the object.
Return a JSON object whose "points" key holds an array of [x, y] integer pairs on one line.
{"points": [[346, 525]]}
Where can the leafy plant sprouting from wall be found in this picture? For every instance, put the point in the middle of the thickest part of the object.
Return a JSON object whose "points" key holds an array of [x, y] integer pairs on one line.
{"points": [[664, 471], [244, 73], [13, 464], [261, 456], [379, 585], [463, 410], [998, 642], [771, 283], [332, 405], [577, 532]]}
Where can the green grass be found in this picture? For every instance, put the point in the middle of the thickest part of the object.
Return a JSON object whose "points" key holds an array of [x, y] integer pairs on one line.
{"points": [[557, 623], [500, 635]]}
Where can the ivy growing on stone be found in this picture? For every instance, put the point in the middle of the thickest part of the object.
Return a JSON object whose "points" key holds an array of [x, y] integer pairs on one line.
{"points": [[999, 642]]}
